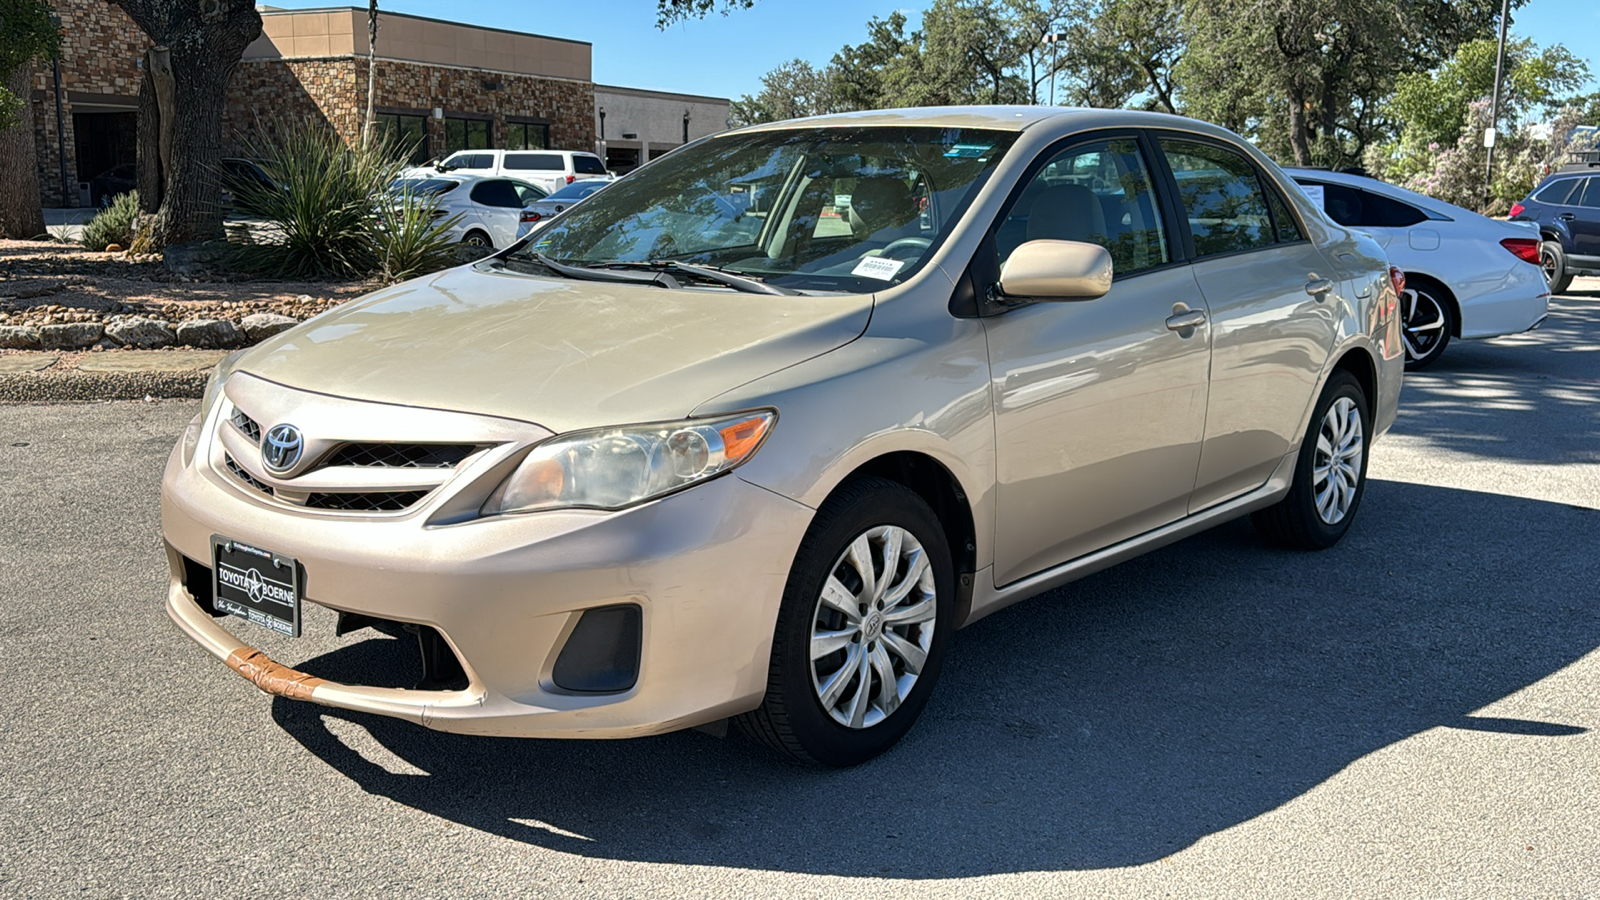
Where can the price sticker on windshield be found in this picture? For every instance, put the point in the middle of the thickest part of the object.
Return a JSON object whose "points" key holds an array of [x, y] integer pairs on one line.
{"points": [[879, 267]]}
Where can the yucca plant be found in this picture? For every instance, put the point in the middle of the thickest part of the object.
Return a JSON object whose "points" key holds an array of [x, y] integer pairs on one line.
{"points": [[112, 225], [413, 237], [324, 203]]}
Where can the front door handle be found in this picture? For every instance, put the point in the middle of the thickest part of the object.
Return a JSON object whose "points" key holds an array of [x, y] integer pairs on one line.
{"points": [[1319, 287], [1186, 321]]}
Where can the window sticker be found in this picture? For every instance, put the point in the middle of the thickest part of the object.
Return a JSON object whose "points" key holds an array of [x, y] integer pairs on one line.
{"points": [[1314, 191], [969, 151], [879, 267]]}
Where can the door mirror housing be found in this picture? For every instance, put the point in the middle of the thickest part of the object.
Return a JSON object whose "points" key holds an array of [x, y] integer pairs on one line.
{"points": [[1056, 270]]}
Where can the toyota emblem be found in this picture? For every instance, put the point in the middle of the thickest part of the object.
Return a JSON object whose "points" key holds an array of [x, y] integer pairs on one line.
{"points": [[281, 448]]}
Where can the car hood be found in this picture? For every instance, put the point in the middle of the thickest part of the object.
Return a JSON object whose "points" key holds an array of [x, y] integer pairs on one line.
{"points": [[563, 354]]}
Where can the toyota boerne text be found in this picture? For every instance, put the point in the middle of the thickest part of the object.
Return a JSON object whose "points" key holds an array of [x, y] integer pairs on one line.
{"points": [[749, 434]]}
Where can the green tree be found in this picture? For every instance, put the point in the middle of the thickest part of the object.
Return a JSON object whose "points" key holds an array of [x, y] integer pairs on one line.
{"points": [[1119, 50], [1431, 107], [792, 90], [669, 12], [26, 34], [1306, 79]]}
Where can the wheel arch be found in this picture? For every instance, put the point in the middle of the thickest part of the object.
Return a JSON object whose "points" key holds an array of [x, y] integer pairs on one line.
{"points": [[1445, 294], [1358, 361], [938, 487]]}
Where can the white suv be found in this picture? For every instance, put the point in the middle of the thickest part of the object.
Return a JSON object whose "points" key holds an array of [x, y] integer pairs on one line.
{"points": [[549, 169]]}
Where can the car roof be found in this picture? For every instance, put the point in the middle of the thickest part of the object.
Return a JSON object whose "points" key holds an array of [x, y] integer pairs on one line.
{"points": [[999, 118]]}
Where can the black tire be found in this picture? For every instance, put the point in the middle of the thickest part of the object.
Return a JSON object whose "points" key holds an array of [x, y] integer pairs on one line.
{"points": [[1428, 304], [792, 719], [1294, 521], [477, 238], [1553, 260]]}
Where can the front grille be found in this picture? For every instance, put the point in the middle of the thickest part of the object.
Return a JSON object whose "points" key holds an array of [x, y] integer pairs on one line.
{"points": [[401, 456], [244, 476], [370, 501], [247, 426]]}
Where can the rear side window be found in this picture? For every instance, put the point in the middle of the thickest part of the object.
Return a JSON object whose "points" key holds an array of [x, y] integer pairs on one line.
{"points": [[546, 162], [1364, 209], [496, 193], [588, 165], [1221, 197], [1288, 228], [527, 193], [1557, 192]]}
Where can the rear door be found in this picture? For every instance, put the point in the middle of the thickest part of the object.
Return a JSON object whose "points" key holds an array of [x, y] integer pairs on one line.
{"points": [[1272, 323], [1584, 223], [1099, 404], [499, 207]]}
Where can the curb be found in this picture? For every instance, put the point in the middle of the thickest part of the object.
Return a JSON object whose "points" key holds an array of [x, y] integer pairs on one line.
{"points": [[77, 385]]}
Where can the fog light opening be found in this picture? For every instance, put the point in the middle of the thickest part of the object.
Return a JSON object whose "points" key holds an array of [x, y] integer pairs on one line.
{"points": [[601, 656]]}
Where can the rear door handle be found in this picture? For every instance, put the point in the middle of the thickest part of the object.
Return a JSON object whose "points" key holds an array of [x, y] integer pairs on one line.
{"points": [[1567, 217], [1319, 288], [1194, 318]]}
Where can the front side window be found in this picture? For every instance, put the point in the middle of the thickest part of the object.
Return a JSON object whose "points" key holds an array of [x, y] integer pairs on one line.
{"points": [[771, 205], [1221, 196], [1097, 193]]}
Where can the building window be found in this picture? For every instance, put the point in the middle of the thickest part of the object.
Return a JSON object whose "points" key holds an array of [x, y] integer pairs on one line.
{"points": [[466, 134], [409, 133], [527, 136]]}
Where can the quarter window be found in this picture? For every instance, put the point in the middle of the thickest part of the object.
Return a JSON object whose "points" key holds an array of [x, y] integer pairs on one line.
{"points": [[1221, 196], [1557, 192], [588, 165], [544, 162], [1098, 193]]}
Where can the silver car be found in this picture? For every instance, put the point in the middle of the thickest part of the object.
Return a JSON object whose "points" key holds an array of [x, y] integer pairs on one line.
{"points": [[715, 445]]}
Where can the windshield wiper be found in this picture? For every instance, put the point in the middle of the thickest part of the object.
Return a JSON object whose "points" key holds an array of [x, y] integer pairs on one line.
{"points": [[709, 273], [584, 273]]}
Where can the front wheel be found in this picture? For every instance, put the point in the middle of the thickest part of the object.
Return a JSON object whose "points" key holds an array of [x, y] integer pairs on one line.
{"points": [[862, 629], [1553, 262], [1330, 474]]}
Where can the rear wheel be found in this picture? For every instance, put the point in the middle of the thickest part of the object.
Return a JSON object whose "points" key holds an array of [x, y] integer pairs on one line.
{"points": [[1426, 322], [1330, 474], [862, 629], [1553, 260]]}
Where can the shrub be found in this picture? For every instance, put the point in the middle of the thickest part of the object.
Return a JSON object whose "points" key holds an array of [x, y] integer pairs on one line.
{"points": [[113, 225], [332, 213]]}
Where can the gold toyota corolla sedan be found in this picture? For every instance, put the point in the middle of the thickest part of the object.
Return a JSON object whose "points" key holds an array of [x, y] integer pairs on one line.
{"points": [[751, 433]]}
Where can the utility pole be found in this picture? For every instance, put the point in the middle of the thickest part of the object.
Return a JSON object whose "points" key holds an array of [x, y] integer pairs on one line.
{"points": [[1494, 102], [1053, 39]]}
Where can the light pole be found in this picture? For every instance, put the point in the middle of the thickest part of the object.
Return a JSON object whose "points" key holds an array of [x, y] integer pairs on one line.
{"points": [[1052, 39], [1494, 102]]}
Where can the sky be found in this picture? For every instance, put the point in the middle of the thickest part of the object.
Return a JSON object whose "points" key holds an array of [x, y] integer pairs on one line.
{"points": [[725, 56]]}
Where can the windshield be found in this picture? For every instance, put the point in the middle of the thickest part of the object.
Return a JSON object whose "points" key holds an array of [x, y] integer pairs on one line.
{"points": [[578, 190], [838, 209]]}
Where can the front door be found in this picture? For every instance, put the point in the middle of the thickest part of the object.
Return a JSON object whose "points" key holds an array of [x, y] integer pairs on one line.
{"points": [[1099, 404]]}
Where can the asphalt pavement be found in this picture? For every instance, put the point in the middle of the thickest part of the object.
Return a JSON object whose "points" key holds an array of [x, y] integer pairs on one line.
{"points": [[1412, 713]]}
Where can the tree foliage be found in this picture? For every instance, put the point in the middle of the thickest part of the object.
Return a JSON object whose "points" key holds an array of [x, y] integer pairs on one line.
{"points": [[669, 12], [26, 34], [1432, 106]]}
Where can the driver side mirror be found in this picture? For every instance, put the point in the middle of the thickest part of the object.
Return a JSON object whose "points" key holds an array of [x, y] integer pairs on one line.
{"points": [[1056, 270]]}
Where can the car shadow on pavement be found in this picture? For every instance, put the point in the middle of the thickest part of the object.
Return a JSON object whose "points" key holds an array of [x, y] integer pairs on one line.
{"points": [[1488, 398], [1109, 723]]}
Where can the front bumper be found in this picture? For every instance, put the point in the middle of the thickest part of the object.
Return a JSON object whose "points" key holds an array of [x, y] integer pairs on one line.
{"points": [[706, 566]]}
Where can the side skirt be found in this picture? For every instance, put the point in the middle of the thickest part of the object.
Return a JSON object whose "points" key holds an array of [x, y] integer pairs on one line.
{"points": [[987, 599]]}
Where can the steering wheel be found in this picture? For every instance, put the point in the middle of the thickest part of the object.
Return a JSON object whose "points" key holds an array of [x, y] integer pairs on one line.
{"points": [[920, 243]]}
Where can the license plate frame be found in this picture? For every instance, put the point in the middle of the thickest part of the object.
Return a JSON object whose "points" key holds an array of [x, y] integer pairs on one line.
{"points": [[260, 586]]}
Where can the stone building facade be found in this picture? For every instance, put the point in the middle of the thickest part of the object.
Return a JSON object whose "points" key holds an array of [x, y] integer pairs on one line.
{"points": [[99, 97]]}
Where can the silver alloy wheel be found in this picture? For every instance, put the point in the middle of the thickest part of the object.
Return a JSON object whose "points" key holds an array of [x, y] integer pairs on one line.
{"points": [[475, 239], [1336, 468], [873, 626], [1422, 323], [1547, 264]]}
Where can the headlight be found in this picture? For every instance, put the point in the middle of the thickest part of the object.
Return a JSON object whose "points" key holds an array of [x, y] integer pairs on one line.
{"points": [[208, 402], [612, 468]]}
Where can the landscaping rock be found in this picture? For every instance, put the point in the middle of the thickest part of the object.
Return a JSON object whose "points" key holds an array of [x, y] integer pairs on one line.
{"points": [[212, 334], [138, 331], [19, 337], [70, 336], [260, 326]]}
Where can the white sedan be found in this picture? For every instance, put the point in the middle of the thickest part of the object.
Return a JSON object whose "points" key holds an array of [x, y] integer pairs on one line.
{"points": [[487, 211], [1467, 276]]}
